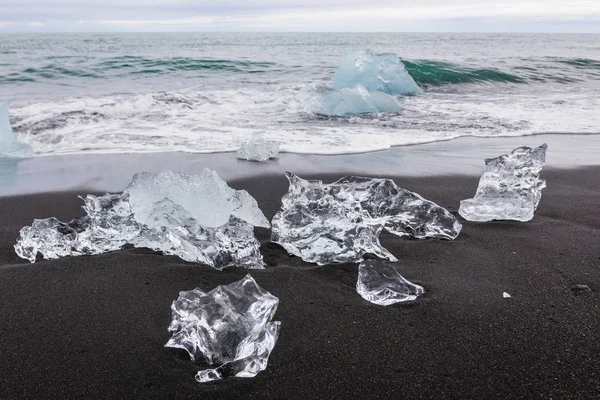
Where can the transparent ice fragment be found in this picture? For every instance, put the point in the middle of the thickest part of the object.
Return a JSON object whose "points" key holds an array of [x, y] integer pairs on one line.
{"points": [[230, 328], [375, 72], [9, 145], [509, 189], [506, 295], [356, 100], [111, 225], [162, 224], [258, 149], [49, 237], [107, 227], [381, 283], [341, 222], [171, 230]]}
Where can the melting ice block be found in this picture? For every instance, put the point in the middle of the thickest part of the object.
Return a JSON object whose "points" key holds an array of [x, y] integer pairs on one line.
{"points": [[258, 149], [230, 328], [9, 145], [206, 197], [341, 221], [381, 283], [216, 228], [509, 189], [357, 100], [376, 72]]}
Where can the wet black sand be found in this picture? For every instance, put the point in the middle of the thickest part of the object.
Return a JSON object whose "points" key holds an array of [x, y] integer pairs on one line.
{"points": [[94, 327]]}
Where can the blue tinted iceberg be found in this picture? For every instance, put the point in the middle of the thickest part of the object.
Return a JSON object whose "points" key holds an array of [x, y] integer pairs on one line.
{"points": [[357, 100], [9, 145], [376, 72]]}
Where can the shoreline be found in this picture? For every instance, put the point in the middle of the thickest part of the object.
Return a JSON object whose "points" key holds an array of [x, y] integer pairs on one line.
{"points": [[95, 326], [112, 172]]}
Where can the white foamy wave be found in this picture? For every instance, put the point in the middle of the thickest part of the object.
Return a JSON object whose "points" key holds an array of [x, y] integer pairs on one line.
{"points": [[221, 120]]}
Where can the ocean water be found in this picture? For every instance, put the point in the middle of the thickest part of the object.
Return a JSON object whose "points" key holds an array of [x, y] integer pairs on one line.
{"points": [[196, 92]]}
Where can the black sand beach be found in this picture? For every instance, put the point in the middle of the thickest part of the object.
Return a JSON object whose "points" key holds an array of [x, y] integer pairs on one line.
{"points": [[94, 327]]}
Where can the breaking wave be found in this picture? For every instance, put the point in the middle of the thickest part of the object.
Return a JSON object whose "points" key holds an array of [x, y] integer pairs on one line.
{"points": [[557, 70]]}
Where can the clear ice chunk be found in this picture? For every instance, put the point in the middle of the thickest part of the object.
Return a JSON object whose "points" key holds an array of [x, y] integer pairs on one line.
{"points": [[376, 72], [107, 227], [161, 224], [509, 189], [206, 197], [381, 283], [171, 230], [110, 225], [230, 328], [258, 149], [356, 100], [9, 145], [49, 237], [341, 222]]}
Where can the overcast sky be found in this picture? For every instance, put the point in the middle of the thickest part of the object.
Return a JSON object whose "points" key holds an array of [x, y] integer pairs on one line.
{"points": [[301, 15]]}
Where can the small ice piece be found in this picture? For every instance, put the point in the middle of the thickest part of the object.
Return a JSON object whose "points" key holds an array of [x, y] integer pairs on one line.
{"points": [[376, 72], [341, 221], [258, 149], [580, 289], [160, 224], [230, 328], [49, 237], [9, 145], [509, 189], [381, 283], [506, 295], [357, 100]]}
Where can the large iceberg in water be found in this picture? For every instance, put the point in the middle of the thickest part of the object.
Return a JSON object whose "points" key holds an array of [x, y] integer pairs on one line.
{"points": [[376, 72], [258, 148], [9, 145], [357, 100], [341, 222], [509, 189], [381, 283], [230, 328], [196, 217]]}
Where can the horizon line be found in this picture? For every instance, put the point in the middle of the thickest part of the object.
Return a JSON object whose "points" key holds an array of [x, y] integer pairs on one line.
{"points": [[304, 32]]}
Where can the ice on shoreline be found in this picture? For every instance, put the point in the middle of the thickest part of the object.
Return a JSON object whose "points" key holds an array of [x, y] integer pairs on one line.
{"points": [[195, 217], [258, 149], [9, 145], [509, 189], [375, 72], [381, 283], [341, 222], [230, 326]]}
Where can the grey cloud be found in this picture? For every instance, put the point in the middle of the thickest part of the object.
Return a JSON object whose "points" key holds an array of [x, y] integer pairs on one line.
{"points": [[507, 15]]}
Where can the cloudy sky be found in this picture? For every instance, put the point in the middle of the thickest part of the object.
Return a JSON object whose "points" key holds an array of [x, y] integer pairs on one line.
{"points": [[301, 15]]}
